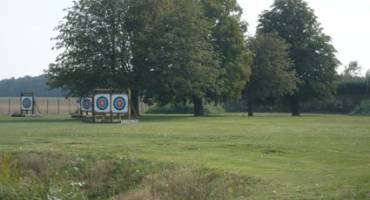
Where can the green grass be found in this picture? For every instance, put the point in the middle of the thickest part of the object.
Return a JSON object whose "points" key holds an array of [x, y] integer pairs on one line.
{"points": [[310, 157]]}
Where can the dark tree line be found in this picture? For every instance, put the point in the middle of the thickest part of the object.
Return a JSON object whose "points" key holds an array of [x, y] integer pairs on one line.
{"points": [[14, 86], [193, 51]]}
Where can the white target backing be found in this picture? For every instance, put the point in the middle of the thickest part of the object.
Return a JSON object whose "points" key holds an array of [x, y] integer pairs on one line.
{"points": [[27, 103], [120, 103], [102, 103], [86, 104]]}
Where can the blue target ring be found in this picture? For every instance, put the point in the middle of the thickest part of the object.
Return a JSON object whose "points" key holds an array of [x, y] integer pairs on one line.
{"points": [[27, 103], [119, 103], [102, 103]]}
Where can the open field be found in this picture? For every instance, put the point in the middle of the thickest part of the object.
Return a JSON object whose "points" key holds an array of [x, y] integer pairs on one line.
{"points": [[310, 157]]}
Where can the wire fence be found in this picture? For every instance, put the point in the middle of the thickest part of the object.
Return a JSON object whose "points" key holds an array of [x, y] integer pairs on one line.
{"points": [[48, 105]]}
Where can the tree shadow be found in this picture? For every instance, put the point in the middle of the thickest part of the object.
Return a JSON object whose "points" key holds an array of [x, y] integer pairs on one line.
{"points": [[14, 120], [164, 117], [144, 118], [175, 117]]}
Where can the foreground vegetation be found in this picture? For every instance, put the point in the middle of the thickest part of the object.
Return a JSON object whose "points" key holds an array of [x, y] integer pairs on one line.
{"points": [[180, 157]]}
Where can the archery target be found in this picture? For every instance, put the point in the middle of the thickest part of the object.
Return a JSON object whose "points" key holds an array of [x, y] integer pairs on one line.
{"points": [[27, 103], [86, 104], [120, 103], [102, 103]]}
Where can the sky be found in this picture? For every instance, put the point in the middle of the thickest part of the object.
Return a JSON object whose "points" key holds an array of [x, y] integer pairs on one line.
{"points": [[28, 26]]}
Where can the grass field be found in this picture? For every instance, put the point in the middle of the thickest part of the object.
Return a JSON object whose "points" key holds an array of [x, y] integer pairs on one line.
{"points": [[310, 157]]}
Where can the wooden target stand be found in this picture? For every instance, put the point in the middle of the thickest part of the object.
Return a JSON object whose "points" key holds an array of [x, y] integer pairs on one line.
{"points": [[28, 106], [108, 106]]}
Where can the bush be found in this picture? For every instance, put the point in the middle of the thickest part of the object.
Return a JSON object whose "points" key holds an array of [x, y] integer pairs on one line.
{"points": [[184, 109], [191, 184], [363, 108], [53, 176], [171, 109]]}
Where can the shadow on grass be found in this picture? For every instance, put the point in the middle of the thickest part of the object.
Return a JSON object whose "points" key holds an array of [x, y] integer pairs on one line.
{"points": [[10, 120], [175, 117], [67, 119], [164, 117], [144, 118]]}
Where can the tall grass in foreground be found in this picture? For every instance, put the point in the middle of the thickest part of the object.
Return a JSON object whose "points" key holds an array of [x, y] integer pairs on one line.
{"points": [[50, 176]]}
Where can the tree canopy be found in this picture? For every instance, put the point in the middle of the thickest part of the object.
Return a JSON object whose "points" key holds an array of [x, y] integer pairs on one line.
{"points": [[272, 70], [94, 43], [183, 50], [310, 49]]}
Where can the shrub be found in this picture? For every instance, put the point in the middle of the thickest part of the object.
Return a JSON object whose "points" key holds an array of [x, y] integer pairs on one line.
{"points": [[363, 108], [190, 184], [184, 109], [31, 175]]}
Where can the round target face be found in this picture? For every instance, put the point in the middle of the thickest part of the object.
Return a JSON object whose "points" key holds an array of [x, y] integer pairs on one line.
{"points": [[86, 104], [27, 103], [102, 103], [119, 103]]}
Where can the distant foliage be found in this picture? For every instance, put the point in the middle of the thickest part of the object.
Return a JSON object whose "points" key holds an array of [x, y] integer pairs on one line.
{"points": [[184, 109], [13, 87], [363, 108], [353, 69], [171, 109], [355, 86]]}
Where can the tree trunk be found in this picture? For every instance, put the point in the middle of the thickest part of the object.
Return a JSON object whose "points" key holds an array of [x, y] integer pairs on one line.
{"points": [[250, 103], [135, 102], [249, 95], [294, 106], [198, 106]]}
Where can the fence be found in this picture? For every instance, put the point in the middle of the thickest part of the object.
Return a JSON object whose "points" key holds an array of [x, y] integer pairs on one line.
{"points": [[47, 105]]}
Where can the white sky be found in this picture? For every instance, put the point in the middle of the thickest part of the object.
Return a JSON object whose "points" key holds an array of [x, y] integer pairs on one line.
{"points": [[27, 26]]}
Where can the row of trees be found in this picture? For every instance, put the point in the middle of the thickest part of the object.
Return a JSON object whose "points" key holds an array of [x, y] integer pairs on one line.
{"points": [[194, 50]]}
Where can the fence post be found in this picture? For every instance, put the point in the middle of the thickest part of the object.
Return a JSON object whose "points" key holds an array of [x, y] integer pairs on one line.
{"points": [[47, 106], [9, 106], [69, 105], [58, 106]]}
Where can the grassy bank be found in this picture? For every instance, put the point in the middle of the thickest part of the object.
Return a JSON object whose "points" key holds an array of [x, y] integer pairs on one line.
{"points": [[311, 157]]}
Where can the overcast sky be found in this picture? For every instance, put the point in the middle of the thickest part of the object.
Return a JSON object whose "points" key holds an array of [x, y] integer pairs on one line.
{"points": [[27, 26]]}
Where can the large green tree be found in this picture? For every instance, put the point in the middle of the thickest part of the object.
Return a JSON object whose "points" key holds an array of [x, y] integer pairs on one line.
{"points": [[174, 55], [272, 70], [228, 36], [173, 50], [311, 50], [159, 29], [94, 46]]}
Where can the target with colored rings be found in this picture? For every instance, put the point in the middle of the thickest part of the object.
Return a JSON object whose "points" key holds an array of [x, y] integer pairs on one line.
{"points": [[119, 103], [102, 103]]}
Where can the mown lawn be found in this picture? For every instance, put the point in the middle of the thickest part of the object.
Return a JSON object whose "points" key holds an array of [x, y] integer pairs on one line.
{"points": [[309, 157]]}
